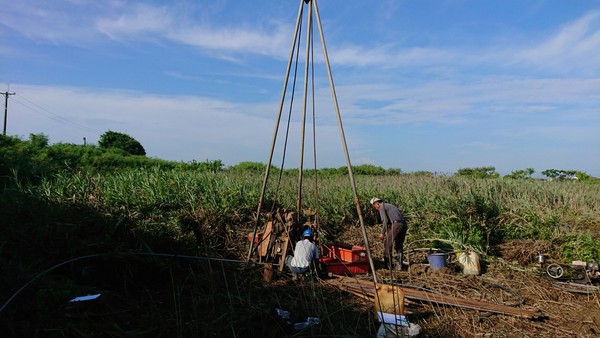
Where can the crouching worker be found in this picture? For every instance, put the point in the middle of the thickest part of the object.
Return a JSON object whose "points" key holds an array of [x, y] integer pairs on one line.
{"points": [[305, 258]]}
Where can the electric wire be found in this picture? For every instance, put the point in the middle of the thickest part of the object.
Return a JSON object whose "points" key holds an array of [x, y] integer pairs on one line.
{"points": [[49, 114]]}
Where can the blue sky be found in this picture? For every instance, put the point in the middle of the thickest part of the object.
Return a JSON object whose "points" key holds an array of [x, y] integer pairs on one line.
{"points": [[421, 85]]}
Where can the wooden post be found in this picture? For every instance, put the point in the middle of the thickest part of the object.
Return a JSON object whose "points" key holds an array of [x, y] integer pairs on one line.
{"points": [[284, 251]]}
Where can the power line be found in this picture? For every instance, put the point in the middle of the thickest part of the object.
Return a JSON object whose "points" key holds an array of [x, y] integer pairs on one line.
{"points": [[6, 95], [47, 113]]}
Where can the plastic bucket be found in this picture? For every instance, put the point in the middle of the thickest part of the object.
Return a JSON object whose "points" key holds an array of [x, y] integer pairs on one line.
{"points": [[437, 260]]}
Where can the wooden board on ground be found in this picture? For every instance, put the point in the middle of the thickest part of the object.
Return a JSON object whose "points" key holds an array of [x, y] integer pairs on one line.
{"points": [[366, 289]]}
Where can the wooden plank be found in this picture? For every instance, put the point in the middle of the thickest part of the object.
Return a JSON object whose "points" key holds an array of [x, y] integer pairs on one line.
{"points": [[263, 247], [368, 288], [284, 251]]}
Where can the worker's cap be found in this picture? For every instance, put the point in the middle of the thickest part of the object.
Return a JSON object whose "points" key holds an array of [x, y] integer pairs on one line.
{"points": [[307, 233], [375, 199]]}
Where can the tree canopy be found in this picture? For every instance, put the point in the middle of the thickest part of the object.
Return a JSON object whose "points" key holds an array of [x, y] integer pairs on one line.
{"points": [[112, 139], [482, 172], [521, 174]]}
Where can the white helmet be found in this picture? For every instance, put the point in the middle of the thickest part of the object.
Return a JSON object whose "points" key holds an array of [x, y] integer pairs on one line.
{"points": [[375, 199]]}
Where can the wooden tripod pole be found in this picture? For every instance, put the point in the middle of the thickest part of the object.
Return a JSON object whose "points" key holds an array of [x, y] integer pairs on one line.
{"points": [[273, 142], [312, 10], [348, 163]]}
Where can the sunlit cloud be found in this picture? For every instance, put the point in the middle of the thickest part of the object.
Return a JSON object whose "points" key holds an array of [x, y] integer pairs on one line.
{"points": [[574, 47], [141, 21], [200, 82]]}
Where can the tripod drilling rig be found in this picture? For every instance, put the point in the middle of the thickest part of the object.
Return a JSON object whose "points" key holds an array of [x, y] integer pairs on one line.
{"points": [[281, 226]]}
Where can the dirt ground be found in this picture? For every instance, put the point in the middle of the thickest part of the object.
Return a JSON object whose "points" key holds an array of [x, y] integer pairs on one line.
{"points": [[513, 278]]}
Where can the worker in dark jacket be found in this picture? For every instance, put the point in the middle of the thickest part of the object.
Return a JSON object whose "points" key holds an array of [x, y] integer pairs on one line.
{"points": [[393, 230]]}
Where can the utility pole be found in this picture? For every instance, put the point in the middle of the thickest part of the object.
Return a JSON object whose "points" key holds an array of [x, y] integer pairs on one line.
{"points": [[6, 95]]}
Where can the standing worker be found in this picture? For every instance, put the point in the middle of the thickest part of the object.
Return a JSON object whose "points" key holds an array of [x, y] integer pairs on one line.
{"points": [[393, 230], [306, 256]]}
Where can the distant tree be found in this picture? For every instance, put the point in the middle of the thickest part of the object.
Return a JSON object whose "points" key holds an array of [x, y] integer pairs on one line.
{"points": [[422, 173], [38, 140], [343, 170], [554, 173], [329, 172], [256, 167], [112, 139], [551, 173], [368, 169], [583, 176], [482, 172], [212, 166], [521, 174], [393, 171], [565, 174]]}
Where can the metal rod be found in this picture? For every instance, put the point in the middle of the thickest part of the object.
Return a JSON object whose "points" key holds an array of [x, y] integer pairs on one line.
{"points": [[304, 103], [285, 83], [348, 163]]}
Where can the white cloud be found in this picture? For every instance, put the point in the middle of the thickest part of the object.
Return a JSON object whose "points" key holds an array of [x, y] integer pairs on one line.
{"points": [[238, 39], [573, 48], [141, 21], [161, 23], [174, 127], [55, 22], [452, 102], [536, 85]]}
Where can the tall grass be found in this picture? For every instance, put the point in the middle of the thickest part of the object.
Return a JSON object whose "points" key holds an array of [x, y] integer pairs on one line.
{"points": [[211, 205], [201, 213]]}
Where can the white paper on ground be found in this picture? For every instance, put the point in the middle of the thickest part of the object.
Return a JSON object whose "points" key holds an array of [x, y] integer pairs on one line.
{"points": [[392, 318]]}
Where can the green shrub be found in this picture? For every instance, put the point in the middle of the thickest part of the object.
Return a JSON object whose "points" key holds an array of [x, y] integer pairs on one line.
{"points": [[580, 247]]}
